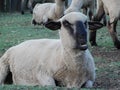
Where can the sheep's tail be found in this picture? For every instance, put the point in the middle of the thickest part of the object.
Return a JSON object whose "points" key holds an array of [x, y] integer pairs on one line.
{"points": [[4, 67]]}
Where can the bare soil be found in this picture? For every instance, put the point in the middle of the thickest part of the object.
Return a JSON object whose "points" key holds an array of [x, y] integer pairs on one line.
{"points": [[107, 68]]}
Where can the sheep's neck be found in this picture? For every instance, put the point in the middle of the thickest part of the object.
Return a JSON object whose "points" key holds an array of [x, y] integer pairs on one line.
{"points": [[73, 59], [72, 70]]}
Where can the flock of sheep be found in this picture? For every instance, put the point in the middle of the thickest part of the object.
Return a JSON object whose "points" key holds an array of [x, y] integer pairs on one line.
{"points": [[65, 61]]}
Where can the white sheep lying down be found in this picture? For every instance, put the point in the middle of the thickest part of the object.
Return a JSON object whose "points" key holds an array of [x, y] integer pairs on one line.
{"points": [[44, 61], [42, 13]]}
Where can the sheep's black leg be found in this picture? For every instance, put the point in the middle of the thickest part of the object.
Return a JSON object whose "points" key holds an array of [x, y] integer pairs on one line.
{"points": [[113, 33], [90, 14], [104, 20], [30, 6], [92, 36], [23, 3]]}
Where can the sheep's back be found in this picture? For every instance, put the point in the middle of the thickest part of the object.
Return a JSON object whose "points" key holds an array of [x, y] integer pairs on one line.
{"points": [[113, 8], [40, 11], [30, 57]]}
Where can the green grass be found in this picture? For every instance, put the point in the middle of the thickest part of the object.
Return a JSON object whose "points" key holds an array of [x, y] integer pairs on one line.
{"points": [[15, 28], [15, 87], [104, 39]]}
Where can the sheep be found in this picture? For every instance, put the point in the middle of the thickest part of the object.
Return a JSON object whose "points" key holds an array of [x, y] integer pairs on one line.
{"points": [[76, 5], [44, 61], [31, 4], [42, 13], [111, 8]]}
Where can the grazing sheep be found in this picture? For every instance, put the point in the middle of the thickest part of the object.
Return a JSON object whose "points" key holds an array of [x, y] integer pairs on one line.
{"points": [[76, 5], [42, 13], [44, 61], [112, 8], [31, 3]]}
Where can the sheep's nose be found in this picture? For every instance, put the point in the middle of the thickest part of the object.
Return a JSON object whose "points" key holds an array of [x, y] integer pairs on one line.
{"points": [[81, 42], [81, 39]]}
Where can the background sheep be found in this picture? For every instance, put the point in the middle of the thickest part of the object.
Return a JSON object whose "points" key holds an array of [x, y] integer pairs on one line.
{"points": [[112, 8], [42, 61], [86, 5], [31, 4], [48, 11]]}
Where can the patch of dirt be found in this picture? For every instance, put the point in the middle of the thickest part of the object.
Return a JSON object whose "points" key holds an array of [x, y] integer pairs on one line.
{"points": [[107, 68]]}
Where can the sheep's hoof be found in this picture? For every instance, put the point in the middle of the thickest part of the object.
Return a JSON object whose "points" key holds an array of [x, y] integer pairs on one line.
{"points": [[93, 43], [34, 22], [22, 12], [89, 84], [117, 44], [31, 12]]}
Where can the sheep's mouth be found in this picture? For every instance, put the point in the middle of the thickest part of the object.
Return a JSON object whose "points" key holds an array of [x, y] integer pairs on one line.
{"points": [[82, 47], [81, 44]]}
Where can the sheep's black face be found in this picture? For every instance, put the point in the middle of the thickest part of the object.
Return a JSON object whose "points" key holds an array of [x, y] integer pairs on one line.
{"points": [[81, 35], [78, 32]]}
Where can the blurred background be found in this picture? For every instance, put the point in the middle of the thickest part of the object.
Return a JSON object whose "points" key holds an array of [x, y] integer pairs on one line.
{"points": [[10, 5]]}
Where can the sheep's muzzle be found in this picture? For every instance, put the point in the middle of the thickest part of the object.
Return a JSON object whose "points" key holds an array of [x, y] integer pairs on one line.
{"points": [[81, 47]]}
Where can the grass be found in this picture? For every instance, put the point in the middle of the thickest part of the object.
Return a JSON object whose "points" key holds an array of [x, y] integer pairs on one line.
{"points": [[15, 87], [16, 28]]}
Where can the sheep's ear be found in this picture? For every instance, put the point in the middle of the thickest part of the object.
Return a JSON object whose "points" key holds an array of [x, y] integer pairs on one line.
{"points": [[94, 25], [52, 25]]}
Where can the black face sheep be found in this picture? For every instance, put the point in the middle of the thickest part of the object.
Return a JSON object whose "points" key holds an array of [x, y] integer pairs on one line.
{"points": [[44, 61]]}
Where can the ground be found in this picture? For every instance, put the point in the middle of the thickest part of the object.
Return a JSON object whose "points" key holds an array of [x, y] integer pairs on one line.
{"points": [[107, 68]]}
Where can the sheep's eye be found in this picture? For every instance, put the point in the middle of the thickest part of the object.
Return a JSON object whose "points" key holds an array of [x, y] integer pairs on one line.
{"points": [[66, 23]]}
